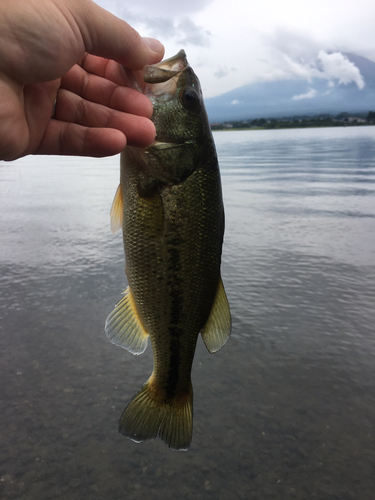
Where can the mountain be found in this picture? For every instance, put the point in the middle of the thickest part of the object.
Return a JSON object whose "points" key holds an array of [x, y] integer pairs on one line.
{"points": [[296, 97]]}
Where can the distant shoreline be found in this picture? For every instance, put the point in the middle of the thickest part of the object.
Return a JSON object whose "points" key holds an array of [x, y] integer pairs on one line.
{"points": [[283, 128], [320, 121]]}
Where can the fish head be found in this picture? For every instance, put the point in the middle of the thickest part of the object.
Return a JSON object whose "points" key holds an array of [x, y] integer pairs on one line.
{"points": [[183, 134]]}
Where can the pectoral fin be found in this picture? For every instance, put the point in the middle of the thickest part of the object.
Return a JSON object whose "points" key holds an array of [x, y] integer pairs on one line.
{"points": [[216, 331], [124, 328], [117, 211]]}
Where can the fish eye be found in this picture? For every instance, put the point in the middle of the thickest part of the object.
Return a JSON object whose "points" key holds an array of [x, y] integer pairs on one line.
{"points": [[190, 99]]}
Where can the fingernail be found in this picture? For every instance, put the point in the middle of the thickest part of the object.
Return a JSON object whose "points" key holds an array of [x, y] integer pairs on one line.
{"points": [[155, 45]]}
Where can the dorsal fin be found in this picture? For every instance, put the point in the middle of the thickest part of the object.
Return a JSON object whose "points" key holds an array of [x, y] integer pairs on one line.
{"points": [[117, 211]]}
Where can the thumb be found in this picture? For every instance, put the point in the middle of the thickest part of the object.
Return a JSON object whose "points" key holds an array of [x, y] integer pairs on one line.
{"points": [[108, 36]]}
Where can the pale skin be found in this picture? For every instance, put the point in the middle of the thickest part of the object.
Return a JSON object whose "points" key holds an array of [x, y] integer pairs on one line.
{"points": [[71, 52]]}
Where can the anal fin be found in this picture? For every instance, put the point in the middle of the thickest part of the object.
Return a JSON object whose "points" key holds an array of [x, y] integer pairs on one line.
{"points": [[123, 326], [216, 331]]}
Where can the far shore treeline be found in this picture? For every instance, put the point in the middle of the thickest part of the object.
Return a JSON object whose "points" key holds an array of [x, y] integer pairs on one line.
{"points": [[323, 120]]}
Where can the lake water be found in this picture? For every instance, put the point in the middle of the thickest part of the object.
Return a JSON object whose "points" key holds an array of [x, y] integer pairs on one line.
{"points": [[286, 410]]}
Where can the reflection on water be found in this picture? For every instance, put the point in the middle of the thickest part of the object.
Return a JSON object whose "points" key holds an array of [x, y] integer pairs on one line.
{"points": [[285, 410]]}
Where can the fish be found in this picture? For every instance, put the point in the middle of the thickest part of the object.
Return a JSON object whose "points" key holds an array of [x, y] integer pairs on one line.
{"points": [[169, 206]]}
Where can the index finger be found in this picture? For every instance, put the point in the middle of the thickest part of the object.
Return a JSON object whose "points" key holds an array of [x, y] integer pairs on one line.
{"points": [[108, 36]]}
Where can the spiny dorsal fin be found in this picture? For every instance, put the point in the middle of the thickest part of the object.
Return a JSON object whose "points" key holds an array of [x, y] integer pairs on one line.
{"points": [[216, 331], [123, 326], [117, 211]]}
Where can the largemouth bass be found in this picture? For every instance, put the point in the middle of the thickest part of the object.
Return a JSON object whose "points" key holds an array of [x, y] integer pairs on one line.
{"points": [[169, 205]]}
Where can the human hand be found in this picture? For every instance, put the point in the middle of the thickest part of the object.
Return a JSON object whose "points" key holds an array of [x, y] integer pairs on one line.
{"points": [[65, 51]]}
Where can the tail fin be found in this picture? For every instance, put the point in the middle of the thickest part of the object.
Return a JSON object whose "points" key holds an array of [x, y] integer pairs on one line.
{"points": [[147, 416]]}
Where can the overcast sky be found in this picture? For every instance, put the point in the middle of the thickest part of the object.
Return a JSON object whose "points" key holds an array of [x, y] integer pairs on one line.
{"points": [[233, 42]]}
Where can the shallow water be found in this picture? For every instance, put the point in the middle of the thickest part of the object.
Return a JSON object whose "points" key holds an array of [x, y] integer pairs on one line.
{"points": [[285, 410]]}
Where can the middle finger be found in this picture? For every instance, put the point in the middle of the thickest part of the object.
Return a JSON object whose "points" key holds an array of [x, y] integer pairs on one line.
{"points": [[103, 91]]}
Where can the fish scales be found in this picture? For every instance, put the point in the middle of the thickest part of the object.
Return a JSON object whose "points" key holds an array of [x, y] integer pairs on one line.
{"points": [[173, 225], [182, 294]]}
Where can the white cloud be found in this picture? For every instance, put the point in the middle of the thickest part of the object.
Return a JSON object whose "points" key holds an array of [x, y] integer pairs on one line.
{"points": [[309, 95], [235, 102], [297, 56], [265, 41], [158, 27], [337, 66], [295, 69], [190, 33], [161, 8], [334, 67], [223, 71]]}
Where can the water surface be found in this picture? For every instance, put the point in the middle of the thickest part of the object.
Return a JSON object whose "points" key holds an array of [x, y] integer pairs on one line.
{"points": [[285, 410]]}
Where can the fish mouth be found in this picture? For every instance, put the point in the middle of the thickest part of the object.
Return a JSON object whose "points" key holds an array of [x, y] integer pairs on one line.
{"points": [[156, 79], [161, 78], [164, 70]]}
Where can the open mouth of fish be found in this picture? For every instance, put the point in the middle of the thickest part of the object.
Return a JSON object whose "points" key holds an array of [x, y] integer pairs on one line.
{"points": [[162, 78]]}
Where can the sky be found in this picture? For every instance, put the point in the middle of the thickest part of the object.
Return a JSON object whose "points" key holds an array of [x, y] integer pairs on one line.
{"points": [[230, 43]]}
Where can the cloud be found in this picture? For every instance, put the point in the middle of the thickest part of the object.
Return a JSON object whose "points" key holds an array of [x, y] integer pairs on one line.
{"points": [[274, 41], [337, 66], [172, 7], [334, 67], [295, 55], [297, 46], [159, 26], [190, 33], [162, 19], [184, 32], [223, 71], [309, 95], [235, 102], [161, 8], [299, 69]]}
